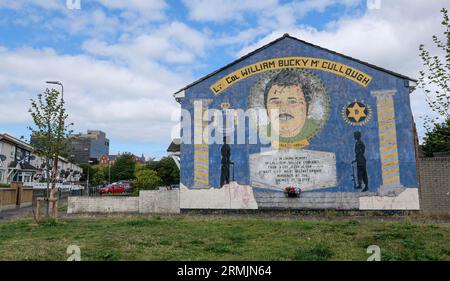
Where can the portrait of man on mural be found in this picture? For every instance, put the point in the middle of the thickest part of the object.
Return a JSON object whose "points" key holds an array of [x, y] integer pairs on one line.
{"points": [[295, 102], [287, 99]]}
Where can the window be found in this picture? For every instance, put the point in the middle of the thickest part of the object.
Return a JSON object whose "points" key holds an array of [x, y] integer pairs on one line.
{"points": [[22, 154], [25, 177]]}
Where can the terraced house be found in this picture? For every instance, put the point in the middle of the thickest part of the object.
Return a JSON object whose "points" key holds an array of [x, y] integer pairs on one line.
{"points": [[15, 156], [19, 163]]}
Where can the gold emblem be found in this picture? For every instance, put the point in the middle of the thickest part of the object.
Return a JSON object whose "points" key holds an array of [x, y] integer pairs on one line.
{"points": [[356, 113]]}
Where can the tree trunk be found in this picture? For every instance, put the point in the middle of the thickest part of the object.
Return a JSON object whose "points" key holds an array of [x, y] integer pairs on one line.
{"points": [[47, 179], [53, 189]]}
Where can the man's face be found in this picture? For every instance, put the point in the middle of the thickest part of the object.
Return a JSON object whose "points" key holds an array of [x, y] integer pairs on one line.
{"points": [[287, 109]]}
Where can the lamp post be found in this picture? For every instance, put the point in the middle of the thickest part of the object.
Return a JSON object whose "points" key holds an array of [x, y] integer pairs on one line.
{"points": [[87, 179], [109, 172], [60, 84]]}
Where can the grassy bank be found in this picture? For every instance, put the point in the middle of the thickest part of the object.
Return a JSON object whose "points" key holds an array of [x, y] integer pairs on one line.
{"points": [[222, 238]]}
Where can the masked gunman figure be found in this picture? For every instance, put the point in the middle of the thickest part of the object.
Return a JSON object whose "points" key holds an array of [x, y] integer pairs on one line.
{"points": [[360, 160], [225, 167]]}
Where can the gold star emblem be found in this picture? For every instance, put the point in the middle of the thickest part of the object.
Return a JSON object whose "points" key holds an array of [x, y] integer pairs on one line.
{"points": [[356, 112]]}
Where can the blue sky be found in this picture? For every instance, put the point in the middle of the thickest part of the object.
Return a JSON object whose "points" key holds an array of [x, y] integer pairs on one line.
{"points": [[120, 61]]}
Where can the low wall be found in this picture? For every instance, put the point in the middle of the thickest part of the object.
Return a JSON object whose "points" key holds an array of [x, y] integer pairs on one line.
{"points": [[159, 201], [312, 200], [434, 178], [230, 196], [408, 199], [241, 197], [149, 201], [105, 204]]}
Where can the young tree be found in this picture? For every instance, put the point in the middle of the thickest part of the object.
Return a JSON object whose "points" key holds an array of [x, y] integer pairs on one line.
{"points": [[99, 177], [435, 78], [50, 132]]}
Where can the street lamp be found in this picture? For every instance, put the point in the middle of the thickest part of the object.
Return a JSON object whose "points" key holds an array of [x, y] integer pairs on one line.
{"points": [[87, 179], [109, 171], [58, 83]]}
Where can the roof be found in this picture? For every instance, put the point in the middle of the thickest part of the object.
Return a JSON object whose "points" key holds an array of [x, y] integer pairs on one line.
{"points": [[16, 141], [23, 166], [174, 146], [286, 35]]}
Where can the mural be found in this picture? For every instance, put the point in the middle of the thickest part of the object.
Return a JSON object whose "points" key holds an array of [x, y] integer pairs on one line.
{"points": [[294, 114]]}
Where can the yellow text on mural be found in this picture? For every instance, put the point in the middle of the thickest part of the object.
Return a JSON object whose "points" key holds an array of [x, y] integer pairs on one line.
{"points": [[343, 70]]}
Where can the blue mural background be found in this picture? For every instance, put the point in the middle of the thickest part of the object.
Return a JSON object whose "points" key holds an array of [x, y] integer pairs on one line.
{"points": [[336, 136]]}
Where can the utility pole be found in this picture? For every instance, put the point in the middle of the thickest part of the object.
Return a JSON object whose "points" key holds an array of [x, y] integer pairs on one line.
{"points": [[109, 172], [87, 179]]}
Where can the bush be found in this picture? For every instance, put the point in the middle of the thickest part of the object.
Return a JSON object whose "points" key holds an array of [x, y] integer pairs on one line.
{"points": [[167, 170], [146, 179]]}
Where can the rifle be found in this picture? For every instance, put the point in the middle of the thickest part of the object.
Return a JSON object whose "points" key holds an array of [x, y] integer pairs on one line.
{"points": [[353, 175]]}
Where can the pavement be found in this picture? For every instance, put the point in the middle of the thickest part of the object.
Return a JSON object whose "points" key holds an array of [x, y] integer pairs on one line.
{"points": [[6, 215]]}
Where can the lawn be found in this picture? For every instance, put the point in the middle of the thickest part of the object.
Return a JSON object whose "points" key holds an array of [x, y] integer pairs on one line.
{"points": [[191, 237]]}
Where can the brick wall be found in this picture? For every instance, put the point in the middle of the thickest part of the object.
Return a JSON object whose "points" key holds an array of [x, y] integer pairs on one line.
{"points": [[434, 179]]}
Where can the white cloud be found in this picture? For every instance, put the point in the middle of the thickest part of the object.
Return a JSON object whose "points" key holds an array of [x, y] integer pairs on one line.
{"points": [[91, 23], [96, 18], [222, 10], [153, 9], [129, 105], [24, 4], [271, 12], [172, 43]]}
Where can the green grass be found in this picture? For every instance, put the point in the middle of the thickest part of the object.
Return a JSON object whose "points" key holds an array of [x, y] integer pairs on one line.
{"points": [[193, 237]]}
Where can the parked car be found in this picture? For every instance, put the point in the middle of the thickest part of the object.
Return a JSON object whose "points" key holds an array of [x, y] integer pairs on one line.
{"points": [[114, 188], [127, 185]]}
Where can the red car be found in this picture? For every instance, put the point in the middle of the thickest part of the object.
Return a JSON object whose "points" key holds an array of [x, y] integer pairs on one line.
{"points": [[113, 189]]}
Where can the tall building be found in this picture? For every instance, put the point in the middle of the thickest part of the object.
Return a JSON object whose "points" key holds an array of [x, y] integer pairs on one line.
{"points": [[90, 146]]}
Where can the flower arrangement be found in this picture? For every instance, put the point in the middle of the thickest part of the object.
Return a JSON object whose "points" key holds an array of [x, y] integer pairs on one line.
{"points": [[291, 191]]}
